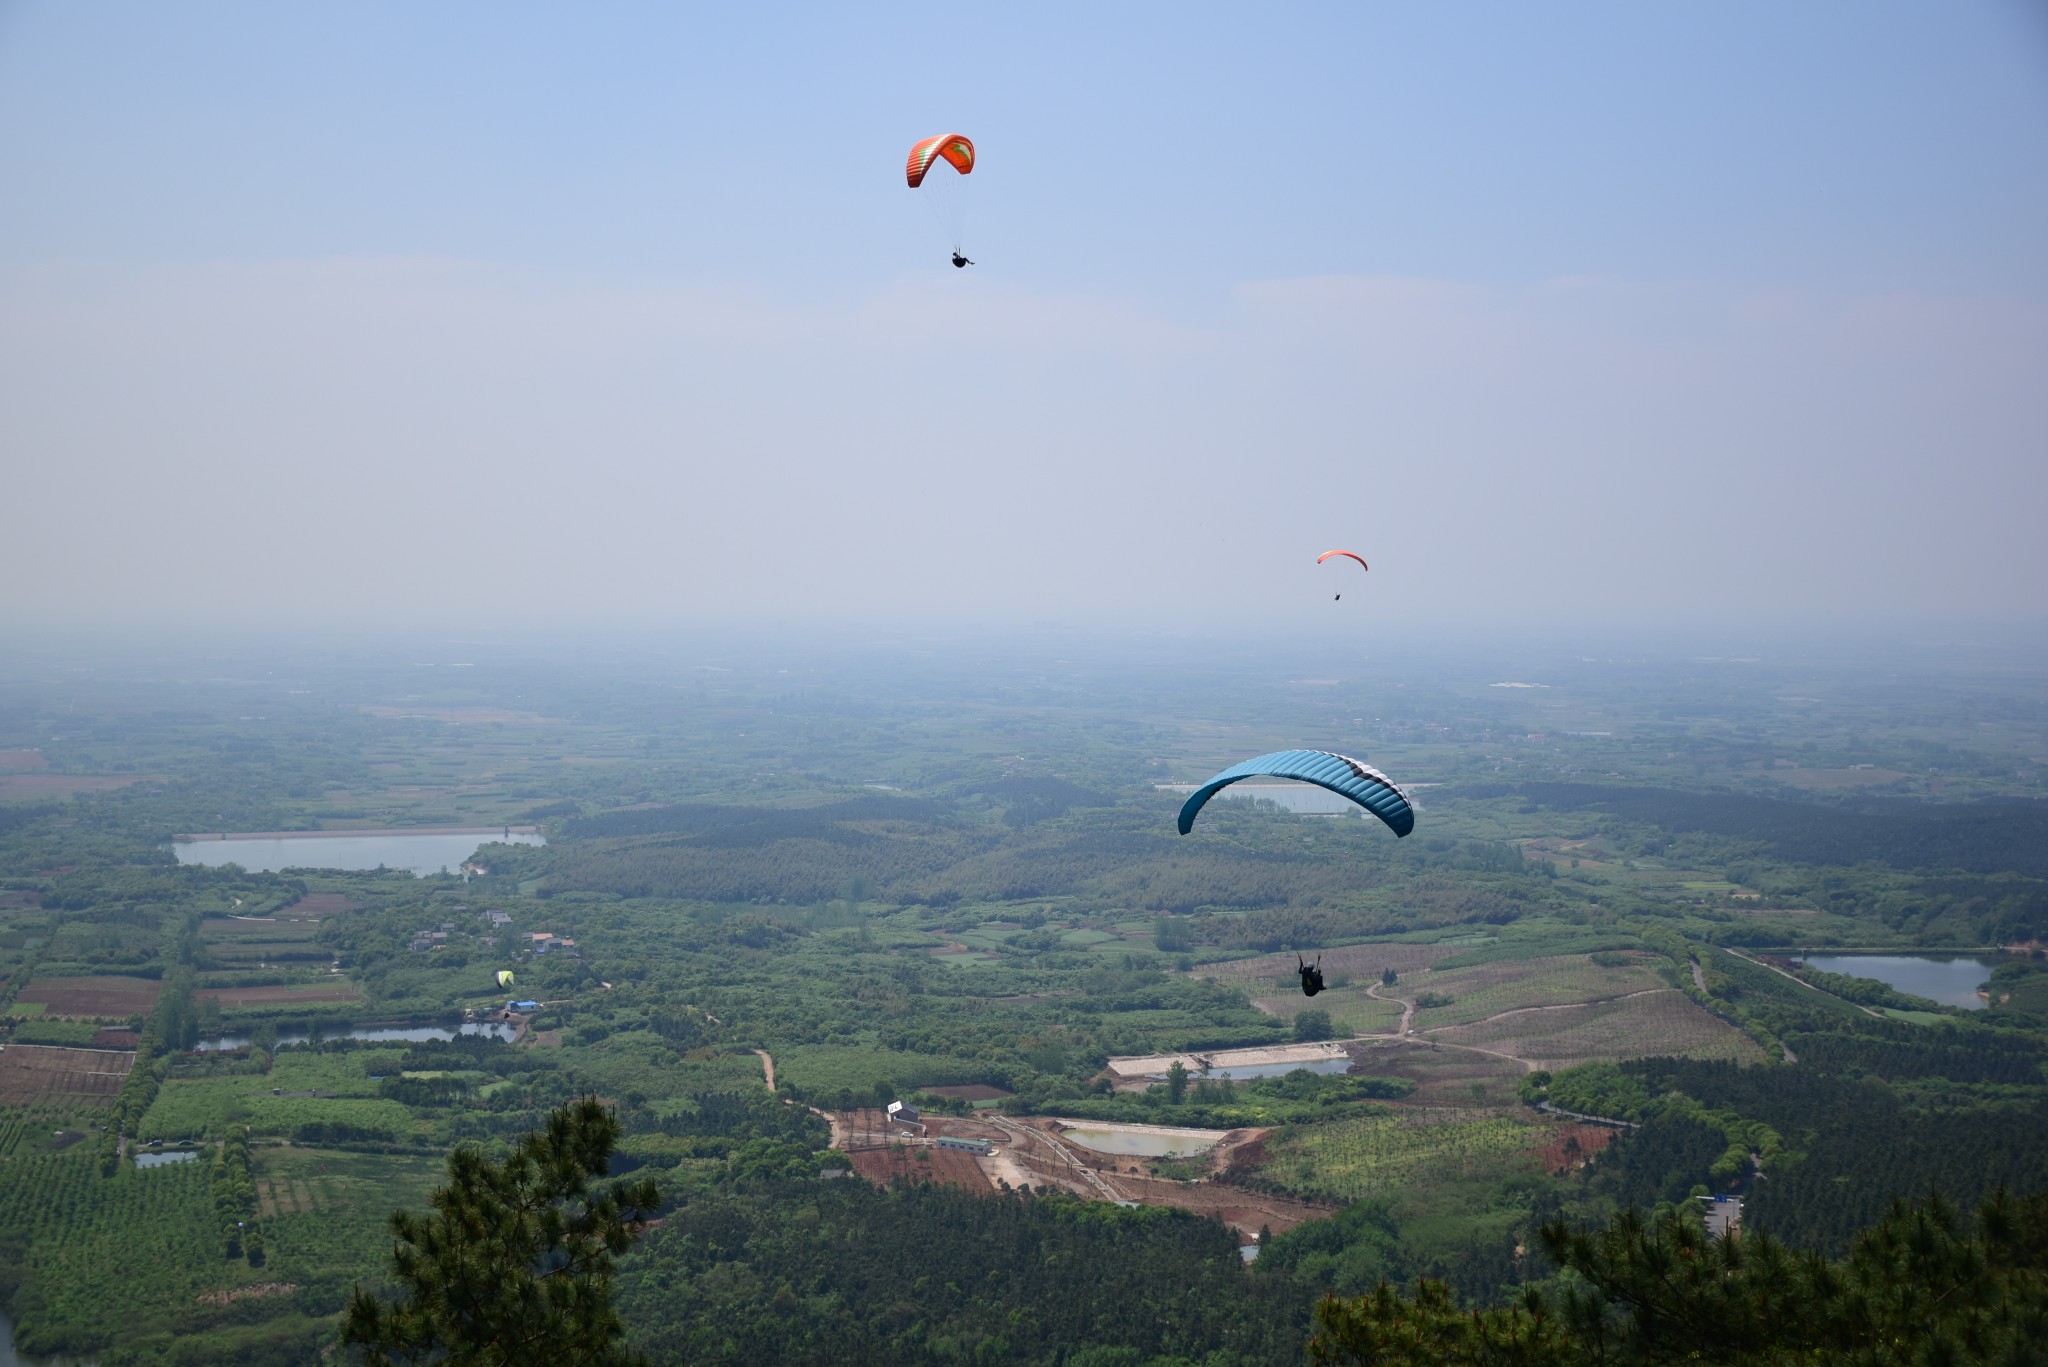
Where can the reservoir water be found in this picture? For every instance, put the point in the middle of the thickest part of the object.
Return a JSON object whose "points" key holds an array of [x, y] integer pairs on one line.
{"points": [[1950, 981], [421, 852], [166, 1158], [410, 1034], [1143, 1143]]}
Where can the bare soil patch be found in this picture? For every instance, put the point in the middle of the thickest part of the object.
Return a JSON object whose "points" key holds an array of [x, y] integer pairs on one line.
{"points": [[92, 997], [33, 1072], [1572, 1146], [973, 1091], [922, 1163], [22, 761]]}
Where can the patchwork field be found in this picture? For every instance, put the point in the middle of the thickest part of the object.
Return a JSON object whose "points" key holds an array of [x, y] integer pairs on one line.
{"points": [[92, 997], [1663, 1022], [1362, 963], [31, 1073], [1443, 1077]]}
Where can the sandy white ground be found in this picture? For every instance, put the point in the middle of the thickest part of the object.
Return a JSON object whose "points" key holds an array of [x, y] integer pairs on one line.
{"points": [[1132, 1127], [1155, 1065]]}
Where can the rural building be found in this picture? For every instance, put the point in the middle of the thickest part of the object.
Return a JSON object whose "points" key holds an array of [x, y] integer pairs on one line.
{"points": [[523, 1008], [904, 1112], [498, 919], [976, 1146]]}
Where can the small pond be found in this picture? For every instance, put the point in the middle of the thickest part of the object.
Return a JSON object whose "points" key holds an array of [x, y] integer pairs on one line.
{"points": [[166, 1157], [1143, 1143], [1948, 980], [410, 1034], [423, 853], [1321, 1065]]}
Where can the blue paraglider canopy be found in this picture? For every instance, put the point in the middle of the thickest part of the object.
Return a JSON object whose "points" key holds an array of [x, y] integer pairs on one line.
{"points": [[1341, 774]]}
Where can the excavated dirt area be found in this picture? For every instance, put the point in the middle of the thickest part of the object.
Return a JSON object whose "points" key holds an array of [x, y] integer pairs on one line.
{"points": [[1030, 1151]]}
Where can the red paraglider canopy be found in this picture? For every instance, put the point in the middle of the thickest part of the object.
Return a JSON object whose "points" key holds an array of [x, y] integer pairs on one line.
{"points": [[1352, 554], [954, 149]]}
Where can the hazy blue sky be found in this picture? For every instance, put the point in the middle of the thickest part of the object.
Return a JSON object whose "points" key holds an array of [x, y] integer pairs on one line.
{"points": [[1572, 314]]}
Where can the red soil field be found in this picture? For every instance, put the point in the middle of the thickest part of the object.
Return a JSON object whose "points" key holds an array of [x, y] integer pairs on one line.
{"points": [[21, 761], [973, 1091], [109, 996], [266, 996], [1560, 1156], [919, 1164], [32, 1072]]}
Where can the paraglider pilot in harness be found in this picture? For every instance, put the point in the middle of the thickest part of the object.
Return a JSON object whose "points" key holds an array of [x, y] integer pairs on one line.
{"points": [[1311, 975], [959, 261]]}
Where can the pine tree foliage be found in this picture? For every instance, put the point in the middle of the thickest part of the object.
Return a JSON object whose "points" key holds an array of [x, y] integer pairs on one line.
{"points": [[514, 1266], [1924, 1286]]}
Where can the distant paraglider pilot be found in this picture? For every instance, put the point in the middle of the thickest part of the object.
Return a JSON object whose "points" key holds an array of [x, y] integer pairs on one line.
{"points": [[1311, 975], [959, 261]]}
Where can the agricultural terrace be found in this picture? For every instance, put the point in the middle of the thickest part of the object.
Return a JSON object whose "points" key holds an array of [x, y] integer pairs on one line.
{"points": [[1657, 1024], [1485, 990], [1399, 1150], [1443, 1077], [1361, 963], [99, 998], [32, 1073]]}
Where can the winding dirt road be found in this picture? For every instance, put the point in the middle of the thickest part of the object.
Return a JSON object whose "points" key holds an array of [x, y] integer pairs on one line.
{"points": [[1407, 1010]]}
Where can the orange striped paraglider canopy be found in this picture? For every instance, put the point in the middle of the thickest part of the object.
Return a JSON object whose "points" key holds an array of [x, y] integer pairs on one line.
{"points": [[1354, 555], [952, 147]]}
